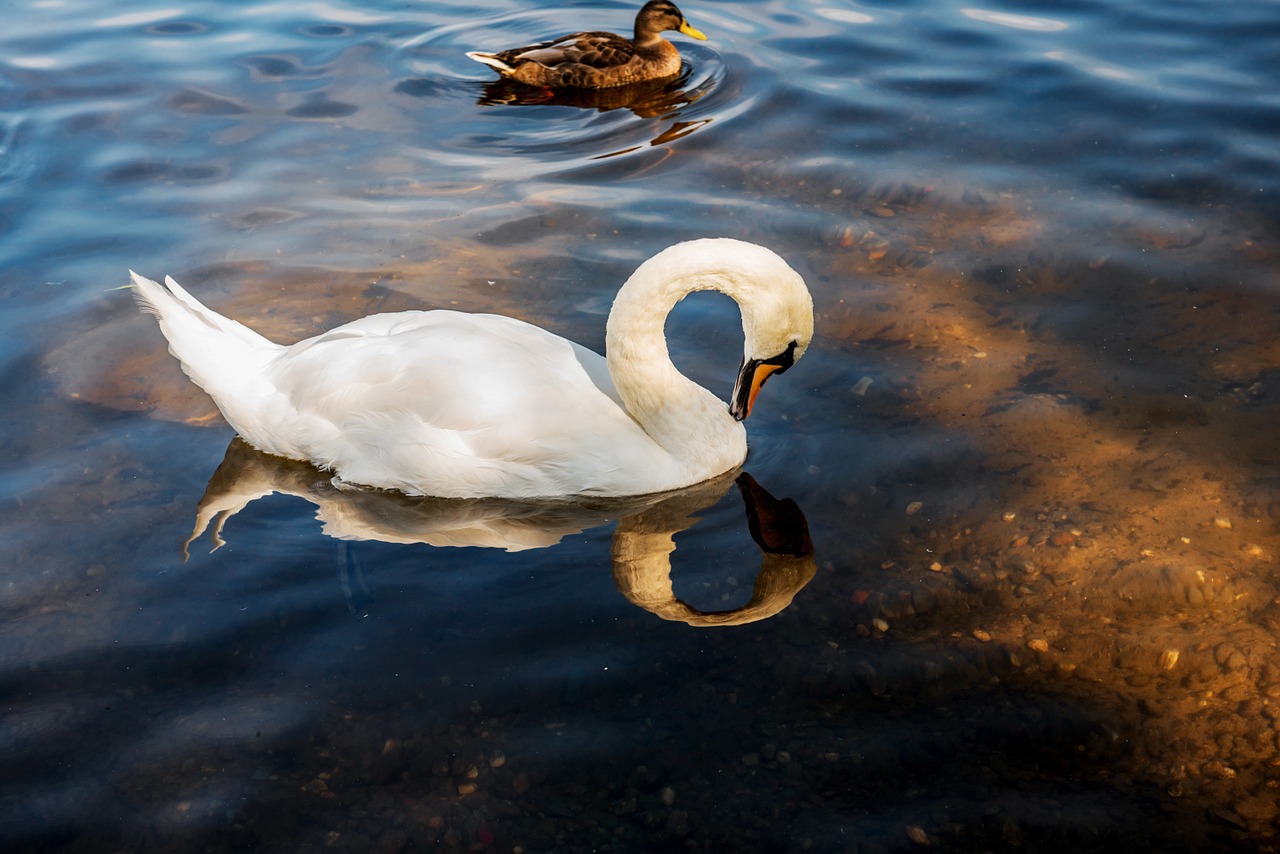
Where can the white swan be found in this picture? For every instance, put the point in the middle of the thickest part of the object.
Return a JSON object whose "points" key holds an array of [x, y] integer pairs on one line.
{"points": [[458, 405]]}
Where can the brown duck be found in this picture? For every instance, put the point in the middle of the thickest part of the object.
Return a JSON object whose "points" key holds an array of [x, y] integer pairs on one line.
{"points": [[599, 60]]}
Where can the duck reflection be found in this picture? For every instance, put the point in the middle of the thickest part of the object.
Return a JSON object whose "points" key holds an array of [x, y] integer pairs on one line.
{"points": [[647, 99], [642, 542]]}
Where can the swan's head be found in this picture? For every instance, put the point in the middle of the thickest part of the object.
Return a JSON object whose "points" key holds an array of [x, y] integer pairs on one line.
{"points": [[777, 321], [777, 312]]}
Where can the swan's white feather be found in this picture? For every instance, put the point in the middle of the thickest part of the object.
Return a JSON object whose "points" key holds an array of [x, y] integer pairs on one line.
{"points": [[485, 404]]}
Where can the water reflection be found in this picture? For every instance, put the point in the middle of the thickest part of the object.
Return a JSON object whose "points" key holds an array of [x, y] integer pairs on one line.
{"points": [[642, 543], [1048, 238], [650, 99], [642, 546], [647, 99], [1018, 22]]}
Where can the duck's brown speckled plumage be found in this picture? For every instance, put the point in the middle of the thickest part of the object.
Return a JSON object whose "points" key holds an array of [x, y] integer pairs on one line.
{"points": [[599, 60]]}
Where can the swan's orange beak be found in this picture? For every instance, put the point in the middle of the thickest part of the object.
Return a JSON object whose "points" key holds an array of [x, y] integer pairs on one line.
{"points": [[751, 378]]}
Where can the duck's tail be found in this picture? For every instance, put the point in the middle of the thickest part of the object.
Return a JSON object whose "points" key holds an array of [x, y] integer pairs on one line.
{"points": [[225, 358], [492, 60]]}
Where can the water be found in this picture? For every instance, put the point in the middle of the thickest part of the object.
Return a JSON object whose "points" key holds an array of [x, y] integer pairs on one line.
{"points": [[1033, 444]]}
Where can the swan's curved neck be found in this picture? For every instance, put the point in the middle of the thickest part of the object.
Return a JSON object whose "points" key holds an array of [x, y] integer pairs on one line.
{"points": [[681, 416]]}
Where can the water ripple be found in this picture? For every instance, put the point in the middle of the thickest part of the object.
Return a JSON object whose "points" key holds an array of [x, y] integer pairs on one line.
{"points": [[542, 129], [1040, 238]]}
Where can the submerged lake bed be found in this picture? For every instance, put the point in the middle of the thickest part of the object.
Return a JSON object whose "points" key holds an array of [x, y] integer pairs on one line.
{"points": [[1003, 569]]}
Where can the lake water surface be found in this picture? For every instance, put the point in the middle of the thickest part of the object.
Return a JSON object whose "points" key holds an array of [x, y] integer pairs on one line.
{"points": [[1002, 575]]}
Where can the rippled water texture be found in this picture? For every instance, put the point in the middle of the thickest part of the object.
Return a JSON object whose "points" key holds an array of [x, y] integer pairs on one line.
{"points": [[1002, 575]]}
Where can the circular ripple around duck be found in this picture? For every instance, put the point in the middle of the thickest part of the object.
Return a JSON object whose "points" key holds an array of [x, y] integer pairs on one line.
{"points": [[496, 129]]}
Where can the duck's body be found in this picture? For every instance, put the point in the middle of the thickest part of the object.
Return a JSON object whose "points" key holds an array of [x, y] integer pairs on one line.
{"points": [[459, 405], [599, 60]]}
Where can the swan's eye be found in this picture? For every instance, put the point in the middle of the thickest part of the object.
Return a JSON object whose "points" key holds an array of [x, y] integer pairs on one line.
{"points": [[783, 360]]}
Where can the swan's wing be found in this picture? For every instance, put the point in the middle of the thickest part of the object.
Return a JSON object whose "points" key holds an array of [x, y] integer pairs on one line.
{"points": [[447, 403], [451, 369]]}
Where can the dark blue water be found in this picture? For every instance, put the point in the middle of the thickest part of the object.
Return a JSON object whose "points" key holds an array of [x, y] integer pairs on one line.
{"points": [[1032, 447]]}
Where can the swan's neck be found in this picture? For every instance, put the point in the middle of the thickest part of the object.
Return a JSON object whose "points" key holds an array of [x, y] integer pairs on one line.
{"points": [[689, 422]]}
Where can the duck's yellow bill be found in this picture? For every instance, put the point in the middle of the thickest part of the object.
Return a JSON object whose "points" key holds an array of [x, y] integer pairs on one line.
{"points": [[691, 32]]}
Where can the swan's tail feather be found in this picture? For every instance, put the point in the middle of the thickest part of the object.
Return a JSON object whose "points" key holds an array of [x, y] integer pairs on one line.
{"points": [[225, 358]]}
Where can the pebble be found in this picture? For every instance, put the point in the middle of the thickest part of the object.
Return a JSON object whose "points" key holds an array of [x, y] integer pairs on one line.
{"points": [[914, 507], [667, 795], [1222, 522], [1039, 645], [917, 835], [985, 637], [1217, 769], [392, 840], [498, 759]]}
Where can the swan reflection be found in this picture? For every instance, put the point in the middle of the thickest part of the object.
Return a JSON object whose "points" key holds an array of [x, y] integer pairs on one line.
{"points": [[642, 542]]}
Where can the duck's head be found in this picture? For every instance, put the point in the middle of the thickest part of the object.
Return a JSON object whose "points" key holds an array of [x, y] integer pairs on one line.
{"points": [[657, 16]]}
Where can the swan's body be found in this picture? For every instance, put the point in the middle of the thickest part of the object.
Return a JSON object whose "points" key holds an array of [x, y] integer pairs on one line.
{"points": [[599, 60], [462, 405]]}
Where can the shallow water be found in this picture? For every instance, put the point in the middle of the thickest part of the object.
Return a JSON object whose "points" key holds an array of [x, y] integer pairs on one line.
{"points": [[1032, 447]]}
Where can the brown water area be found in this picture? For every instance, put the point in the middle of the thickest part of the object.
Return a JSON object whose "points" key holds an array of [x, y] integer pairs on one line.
{"points": [[1043, 488]]}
